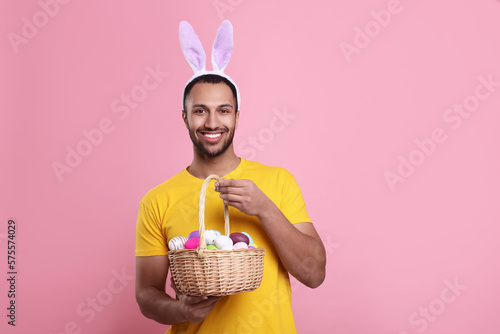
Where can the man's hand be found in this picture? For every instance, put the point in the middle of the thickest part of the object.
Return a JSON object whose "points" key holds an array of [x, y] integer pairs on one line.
{"points": [[243, 195], [296, 244], [195, 309]]}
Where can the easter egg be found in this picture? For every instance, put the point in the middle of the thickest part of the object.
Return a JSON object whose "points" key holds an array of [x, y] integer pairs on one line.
{"points": [[176, 243], [224, 242], [217, 232], [212, 247], [240, 245], [192, 243], [194, 234], [210, 236], [250, 240], [252, 245], [239, 237]]}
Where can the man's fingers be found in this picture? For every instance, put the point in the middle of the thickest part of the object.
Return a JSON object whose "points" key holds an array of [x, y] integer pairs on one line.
{"points": [[236, 205], [230, 183], [225, 183], [199, 307], [236, 202], [202, 303], [231, 197], [195, 299], [208, 303]]}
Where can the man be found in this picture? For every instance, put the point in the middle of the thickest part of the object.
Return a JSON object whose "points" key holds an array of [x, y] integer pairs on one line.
{"points": [[263, 201]]}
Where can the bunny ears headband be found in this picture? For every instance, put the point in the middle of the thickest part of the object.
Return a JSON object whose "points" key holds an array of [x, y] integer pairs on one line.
{"points": [[222, 50]]}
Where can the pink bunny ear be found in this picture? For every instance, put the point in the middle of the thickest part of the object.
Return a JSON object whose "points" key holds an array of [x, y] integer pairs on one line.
{"points": [[223, 46], [191, 47]]}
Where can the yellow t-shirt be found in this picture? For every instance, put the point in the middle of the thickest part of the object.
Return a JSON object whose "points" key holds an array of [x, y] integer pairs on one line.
{"points": [[171, 209]]}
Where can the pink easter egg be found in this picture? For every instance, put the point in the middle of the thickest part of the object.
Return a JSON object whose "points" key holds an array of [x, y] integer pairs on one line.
{"points": [[192, 243], [240, 245]]}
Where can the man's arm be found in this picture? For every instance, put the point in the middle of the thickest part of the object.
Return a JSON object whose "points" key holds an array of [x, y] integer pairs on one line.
{"points": [[299, 246], [151, 275]]}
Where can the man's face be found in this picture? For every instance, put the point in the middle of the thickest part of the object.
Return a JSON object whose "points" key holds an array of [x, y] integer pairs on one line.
{"points": [[210, 117]]}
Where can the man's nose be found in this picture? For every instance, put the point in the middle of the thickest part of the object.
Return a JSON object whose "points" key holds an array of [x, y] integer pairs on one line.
{"points": [[211, 121]]}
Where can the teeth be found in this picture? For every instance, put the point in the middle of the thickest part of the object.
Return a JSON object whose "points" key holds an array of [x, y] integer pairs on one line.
{"points": [[214, 135]]}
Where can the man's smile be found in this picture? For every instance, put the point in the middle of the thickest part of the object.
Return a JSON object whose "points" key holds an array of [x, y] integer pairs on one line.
{"points": [[212, 136]]}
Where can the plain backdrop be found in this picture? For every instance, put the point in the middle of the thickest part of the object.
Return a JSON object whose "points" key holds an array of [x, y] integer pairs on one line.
{"points": [[387, 112]]}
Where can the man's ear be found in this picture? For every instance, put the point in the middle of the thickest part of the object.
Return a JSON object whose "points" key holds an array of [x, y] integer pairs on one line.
{"points": [[237, 118], [184, 118]]}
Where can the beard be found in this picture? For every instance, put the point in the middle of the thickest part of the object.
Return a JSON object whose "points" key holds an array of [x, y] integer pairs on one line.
{"points": [[205, 150]]}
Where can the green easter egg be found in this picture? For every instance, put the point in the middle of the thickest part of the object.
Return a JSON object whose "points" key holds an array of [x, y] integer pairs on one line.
{"points": [[212, 247], [252, 244]]}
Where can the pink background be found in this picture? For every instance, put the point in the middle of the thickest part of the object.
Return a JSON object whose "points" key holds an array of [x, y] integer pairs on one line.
{"points": [[353, 117]]}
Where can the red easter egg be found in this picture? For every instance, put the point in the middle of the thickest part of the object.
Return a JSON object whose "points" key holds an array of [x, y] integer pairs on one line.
{"points": [[239, 237], [192, 243]]}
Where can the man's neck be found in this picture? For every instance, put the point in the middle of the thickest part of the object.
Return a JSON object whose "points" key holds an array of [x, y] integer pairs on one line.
{"points": [[203, 165]]}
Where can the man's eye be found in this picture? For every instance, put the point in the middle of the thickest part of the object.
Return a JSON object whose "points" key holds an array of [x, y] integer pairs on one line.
{"points": [[224, 111], [199, 111]]}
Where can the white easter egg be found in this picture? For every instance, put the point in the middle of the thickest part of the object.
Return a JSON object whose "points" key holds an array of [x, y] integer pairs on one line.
{"points": [[224, 242], [176, 243], [210, 236]]}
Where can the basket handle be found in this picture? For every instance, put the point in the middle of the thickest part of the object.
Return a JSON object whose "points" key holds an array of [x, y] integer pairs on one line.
{"points": [[203, 242]]}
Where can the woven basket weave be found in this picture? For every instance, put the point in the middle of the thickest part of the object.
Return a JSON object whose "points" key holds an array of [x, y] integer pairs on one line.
{"points": [[203, 272]]}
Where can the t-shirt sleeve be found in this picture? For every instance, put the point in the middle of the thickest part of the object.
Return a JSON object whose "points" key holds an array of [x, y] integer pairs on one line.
{"points": [[293, 205], [150, 240]]}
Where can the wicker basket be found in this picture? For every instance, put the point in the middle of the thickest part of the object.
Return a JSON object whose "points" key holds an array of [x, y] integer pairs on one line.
{"points": [[203, 272]]}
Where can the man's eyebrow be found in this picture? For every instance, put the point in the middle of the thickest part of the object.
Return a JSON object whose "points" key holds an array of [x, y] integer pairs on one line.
{"points": [[205, 106], [199, 105]]}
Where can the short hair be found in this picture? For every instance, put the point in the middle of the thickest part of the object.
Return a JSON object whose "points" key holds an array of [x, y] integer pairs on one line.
{"points": [[208, 78]]}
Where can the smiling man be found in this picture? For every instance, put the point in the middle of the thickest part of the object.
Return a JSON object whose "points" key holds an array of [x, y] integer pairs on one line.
{"points": [[212, 133], [264, 201]]}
